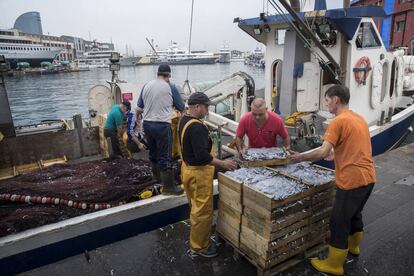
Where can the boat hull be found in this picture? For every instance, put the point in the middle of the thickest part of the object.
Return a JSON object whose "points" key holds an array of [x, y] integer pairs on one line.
{"points": [[224, 58], [384, 138], [189, 61]]}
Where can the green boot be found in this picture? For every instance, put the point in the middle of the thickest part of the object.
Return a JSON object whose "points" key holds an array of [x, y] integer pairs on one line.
{"points": [[353, 243], [155, 172], [334, 264], [169, 187]]}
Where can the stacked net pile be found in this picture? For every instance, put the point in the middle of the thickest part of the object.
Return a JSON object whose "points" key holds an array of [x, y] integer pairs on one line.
{"points": [[63, 191]]}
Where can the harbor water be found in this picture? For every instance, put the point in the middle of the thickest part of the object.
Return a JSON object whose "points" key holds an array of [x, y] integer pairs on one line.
{"points": [[34, 98]]}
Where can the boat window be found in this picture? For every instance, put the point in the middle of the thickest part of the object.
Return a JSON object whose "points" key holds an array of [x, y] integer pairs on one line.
{"points": [[280, 37], [393, 77], [400, 26], [385, 80], [367, 37]]}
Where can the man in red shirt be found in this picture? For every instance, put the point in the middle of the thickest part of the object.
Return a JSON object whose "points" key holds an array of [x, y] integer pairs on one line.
{"points": [[262, 128]]}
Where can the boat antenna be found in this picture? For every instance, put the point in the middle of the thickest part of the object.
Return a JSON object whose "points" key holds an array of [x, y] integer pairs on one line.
{"points": [[189, 40]]}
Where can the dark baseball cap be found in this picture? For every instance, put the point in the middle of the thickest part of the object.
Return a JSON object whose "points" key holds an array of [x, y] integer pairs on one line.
{"points": [[164, 69], [199, 98], [127, 104]]}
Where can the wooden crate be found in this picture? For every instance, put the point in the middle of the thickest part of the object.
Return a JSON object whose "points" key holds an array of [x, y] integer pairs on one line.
{"points": [[311, 245], [26, 168], [7, 173], [229, 223], [230, 191], [50, 162], [274, 234], [230, 208], [267, 223], [272, 243], [317, 167], [263, 163]]}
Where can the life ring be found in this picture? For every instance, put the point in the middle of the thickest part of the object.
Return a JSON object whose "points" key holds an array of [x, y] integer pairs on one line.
{"points": [[361, 70]]}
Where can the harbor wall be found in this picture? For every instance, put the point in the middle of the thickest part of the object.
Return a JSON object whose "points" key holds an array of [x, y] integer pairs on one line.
{"points": [[31, 148]]}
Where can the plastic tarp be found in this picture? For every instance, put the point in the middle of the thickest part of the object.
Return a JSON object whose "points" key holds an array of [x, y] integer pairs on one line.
{"points": [[386, 25]]}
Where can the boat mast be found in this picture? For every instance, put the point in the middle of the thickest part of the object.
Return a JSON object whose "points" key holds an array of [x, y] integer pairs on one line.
{"points": [[189, 40]]}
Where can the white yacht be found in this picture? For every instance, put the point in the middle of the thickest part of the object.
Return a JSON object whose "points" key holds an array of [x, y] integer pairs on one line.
{"points": [[225, 54], [17, 48], [96, 59], [178, 56]]}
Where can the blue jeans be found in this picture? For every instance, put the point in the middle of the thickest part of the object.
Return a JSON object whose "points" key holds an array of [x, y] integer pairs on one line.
{"points": [[159, 139]]}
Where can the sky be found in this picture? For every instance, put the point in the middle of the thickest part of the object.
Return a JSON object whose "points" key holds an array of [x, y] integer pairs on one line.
{"points": [[129, 22]]}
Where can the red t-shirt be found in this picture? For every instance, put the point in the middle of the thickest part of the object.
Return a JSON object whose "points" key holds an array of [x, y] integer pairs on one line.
{"points": [[264, 137]]}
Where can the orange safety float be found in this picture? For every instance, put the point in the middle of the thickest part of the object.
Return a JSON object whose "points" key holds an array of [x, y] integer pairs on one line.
{"points": [[361, 70]]}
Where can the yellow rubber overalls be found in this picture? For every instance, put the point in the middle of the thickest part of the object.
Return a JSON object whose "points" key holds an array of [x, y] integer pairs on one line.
{"points": [[198, 185]]}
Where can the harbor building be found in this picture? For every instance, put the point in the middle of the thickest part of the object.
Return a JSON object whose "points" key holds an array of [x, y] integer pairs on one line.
{"points": [[397, 29], [27, 43]]}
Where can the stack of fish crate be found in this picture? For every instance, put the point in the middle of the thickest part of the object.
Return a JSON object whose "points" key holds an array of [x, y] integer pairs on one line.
{"points": [[103, 143], [230, 208], [284, 213]]}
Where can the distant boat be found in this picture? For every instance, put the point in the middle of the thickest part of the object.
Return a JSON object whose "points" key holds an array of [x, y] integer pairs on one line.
{"points": [[129, 61], [225, 54], [256, 58], [18, 49], [96, 58], [178, 56]]}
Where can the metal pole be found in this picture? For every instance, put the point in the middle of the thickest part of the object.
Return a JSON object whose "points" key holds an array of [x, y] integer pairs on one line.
{"points": [[220, 154]]}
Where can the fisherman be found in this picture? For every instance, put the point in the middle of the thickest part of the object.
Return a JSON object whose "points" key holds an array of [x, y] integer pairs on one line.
{"points": [[156, 102], [348, 135], [134, 137], [197, 173], [262, 128], [113, 125]]}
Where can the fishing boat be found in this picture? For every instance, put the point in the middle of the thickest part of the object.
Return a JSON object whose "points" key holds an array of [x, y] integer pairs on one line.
{"points": [[345, 48], [380, 91]]}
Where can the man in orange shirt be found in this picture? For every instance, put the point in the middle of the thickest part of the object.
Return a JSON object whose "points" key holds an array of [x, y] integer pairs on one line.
{"points": [[348, 135]]}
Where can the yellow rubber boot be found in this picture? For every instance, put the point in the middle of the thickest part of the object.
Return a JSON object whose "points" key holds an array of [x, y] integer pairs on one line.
{"points": [[334, 264], [353, 242]]}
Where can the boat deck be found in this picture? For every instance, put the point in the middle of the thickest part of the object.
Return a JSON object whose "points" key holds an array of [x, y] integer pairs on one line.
{"points": [[386, 249]]}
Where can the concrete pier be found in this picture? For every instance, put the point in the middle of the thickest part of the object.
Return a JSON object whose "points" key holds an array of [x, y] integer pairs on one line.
{"points": [[387, 248]]}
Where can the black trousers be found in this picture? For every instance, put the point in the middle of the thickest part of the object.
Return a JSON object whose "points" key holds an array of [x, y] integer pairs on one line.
{"points": [[159, 139], [113, 134], [346, 218], [132, 146]]}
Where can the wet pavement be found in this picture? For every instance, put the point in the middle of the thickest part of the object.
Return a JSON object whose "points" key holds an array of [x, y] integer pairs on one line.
{"points": [[387, 248]]}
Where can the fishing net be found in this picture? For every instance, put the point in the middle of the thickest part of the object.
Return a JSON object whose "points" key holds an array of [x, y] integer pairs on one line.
{"points": [[95, 184]]}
